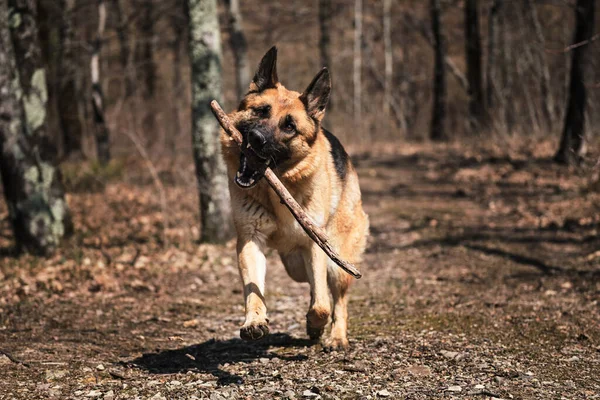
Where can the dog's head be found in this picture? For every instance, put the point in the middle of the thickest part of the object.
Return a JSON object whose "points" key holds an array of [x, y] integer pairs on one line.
{"points": [[279, 125]]}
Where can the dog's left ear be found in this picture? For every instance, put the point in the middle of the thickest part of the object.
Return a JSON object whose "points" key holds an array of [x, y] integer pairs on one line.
{"points": [[316, 95]]}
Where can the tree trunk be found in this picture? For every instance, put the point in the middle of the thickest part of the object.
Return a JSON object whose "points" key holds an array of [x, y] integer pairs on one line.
{"points": [[48, 13], [325, 13], [146, 51], [542, 64], [473, 59], [55, 23], [68, 96], [389, 59], [124, 48], [439, 80], [239, 47], [101, 130], [492, 46], [32, 185], [572, 145], [422, 29], [505, 65], [357, 81], [177, 87], [205, 57]]}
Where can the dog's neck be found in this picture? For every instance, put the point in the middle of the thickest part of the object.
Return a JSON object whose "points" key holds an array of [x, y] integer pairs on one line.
{"points": [[313, 163]]}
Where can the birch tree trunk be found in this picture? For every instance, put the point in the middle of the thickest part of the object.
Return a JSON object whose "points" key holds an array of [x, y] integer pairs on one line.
{"points": [[101, 130], [205, 57], [572, 145], [325, 13], [439, 80], [357, 81], [239, 47], [389, 59], [474, 70], [32, 185]]}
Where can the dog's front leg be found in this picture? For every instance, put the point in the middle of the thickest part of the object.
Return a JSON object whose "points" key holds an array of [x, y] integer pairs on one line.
{"points": [[253, 267], [320, 307]]}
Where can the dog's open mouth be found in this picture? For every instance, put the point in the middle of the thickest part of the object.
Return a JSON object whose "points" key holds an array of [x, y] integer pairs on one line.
{"points": [[252, 168]]}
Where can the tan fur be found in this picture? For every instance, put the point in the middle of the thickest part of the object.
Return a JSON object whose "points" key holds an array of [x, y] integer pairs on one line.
{"points": [[262, 221]]}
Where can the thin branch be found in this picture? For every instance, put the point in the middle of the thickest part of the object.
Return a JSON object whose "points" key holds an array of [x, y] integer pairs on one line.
{"points": [[157, 182], [424, 32], [583, 43], [13, 359]]}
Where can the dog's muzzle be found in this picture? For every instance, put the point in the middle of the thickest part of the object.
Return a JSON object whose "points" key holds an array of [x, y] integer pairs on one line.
{"points": [[252, 164]]}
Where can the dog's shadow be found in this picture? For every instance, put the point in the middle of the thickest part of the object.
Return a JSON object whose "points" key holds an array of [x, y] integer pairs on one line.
{"points": [[210, 355]]}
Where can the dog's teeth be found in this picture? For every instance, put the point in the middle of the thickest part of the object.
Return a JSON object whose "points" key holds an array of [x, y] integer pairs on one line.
{"points": [[251, 181], [248, 146], [268, 162], [238, 174]]}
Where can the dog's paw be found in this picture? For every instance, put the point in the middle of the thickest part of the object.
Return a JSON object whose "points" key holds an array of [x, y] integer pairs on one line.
{"points": [[336, 344], [314, 333], [316, 320], [254, 330]]}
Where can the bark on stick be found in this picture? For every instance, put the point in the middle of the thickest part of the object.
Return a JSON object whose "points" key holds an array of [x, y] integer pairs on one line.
{"points": [[315, 232]]}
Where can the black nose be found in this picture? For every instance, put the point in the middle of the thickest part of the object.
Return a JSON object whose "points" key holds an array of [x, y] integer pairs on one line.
{"points": [[256, 139]]}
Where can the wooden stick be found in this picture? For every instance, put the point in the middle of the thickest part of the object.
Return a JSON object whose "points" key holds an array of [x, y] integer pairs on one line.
{"points": [[315, 232]]}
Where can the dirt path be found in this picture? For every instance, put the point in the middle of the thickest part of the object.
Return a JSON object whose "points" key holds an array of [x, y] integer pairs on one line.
{"points": [[482, 279]]}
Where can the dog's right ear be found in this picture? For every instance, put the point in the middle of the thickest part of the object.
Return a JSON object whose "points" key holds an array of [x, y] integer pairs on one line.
{"points": [[266, 75]]}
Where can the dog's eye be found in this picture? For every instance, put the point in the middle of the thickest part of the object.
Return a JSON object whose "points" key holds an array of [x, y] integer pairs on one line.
{"points": [[288, 125], [262, 111]]}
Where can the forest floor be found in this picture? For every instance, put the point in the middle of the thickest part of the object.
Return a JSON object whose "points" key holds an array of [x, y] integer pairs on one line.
{"points": [[481, 280]]}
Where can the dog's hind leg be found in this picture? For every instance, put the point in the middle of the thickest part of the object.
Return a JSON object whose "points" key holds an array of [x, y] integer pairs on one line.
{"points": [[320, 306], [253, 267], [339, 282]]}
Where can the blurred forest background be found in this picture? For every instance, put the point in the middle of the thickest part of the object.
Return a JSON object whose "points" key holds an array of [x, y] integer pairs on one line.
{"points": [[523, 51]]}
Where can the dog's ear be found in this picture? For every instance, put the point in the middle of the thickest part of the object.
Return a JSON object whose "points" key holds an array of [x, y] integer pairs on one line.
{"points": [[316, 95], [266, 75]]}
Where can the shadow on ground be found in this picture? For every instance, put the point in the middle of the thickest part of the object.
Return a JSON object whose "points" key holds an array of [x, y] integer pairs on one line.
{"points": [[209, 356]]}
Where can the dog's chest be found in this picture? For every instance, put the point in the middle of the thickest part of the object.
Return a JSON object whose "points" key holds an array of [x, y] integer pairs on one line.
{"points": [[289, 234]]}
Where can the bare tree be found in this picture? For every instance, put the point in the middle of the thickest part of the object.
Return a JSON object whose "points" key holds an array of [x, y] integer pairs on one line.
{"points": [[101, 129], [439, 80], [389, 59], [358, 38], [145, 49], [239, 47], [491, 50], [205, 57], [49, 25], [505, 62], [542, 63], [32, 187], [70, 108], [421, 28], [572, 145], [177, 87], [125, 53], [325, 14], [474, 69]]}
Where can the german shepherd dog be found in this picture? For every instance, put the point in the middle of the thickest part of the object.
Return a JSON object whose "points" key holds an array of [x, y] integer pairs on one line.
{"points": [[283, 128]]}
